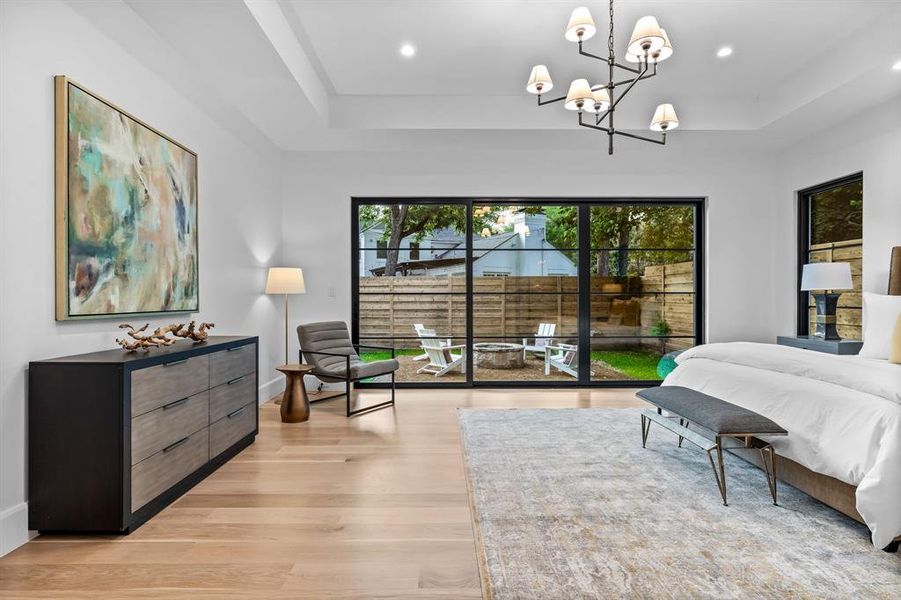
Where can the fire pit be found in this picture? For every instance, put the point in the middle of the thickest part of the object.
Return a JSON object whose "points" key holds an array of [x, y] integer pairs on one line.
{"points": [[494, 355]]}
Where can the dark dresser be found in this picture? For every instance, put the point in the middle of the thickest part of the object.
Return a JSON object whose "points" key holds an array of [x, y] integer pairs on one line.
{"points": [[114, 437]]}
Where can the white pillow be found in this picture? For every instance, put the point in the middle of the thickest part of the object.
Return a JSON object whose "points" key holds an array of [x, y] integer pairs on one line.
{"points": [[880, 313]]}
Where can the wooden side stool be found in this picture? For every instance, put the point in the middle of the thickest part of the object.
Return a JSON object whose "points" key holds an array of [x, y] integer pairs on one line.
{"points": [[295, 402]]}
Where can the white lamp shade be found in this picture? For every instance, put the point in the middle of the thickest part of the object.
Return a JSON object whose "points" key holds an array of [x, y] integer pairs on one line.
{"points": [[579, 96], [646, 32], [581, 25], [285, 280], [601, 101], [661, 55], [539, 80], [665, 118], [826, 276]]}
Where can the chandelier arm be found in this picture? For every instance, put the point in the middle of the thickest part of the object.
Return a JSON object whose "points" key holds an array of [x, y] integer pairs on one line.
{"points": [[625, 81], [589, 54], [626, 91], [590, 126], [551, 101], [601, 117], [644, 139], [624, 67]]}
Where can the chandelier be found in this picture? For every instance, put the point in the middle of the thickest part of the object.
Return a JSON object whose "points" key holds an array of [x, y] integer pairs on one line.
{"points": [[648, 46]]}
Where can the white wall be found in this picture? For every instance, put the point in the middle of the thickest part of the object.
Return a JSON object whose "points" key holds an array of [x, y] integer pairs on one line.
{"points": [[239, 227], [870, 143], [734, 179]]}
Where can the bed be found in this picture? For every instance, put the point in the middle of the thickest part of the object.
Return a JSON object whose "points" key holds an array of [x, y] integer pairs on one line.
{"points": [[843, 414]]}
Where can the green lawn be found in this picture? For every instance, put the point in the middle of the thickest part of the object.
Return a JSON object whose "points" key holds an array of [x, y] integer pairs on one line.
{"points": [[371, 355], [636, 364]]}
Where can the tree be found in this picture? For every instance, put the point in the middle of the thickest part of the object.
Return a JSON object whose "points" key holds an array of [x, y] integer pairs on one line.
{"points": [[621, 227], [416, 220]]}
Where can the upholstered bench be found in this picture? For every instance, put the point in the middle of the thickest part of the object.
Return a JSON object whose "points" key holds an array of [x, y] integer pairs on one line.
{"points": [[715, 417]]}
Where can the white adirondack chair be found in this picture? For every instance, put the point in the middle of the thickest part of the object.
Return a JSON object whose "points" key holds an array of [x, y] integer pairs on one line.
{"points": [[441, 359], [564, 357], [419, 327], [541, 340]]}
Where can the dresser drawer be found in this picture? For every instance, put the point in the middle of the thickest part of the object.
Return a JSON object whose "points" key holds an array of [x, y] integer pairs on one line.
{"points": [[231, 428], [155, 386], [153, 431], [227, 365], [228, 397], [153, 476]]}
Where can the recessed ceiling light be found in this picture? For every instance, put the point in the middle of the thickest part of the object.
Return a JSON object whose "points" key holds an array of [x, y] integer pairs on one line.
{"points": [[724, 52], [896, 66], [407, 50]]}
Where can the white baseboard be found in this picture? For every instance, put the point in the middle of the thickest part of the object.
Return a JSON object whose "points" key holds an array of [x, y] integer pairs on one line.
{"points": [[271, 388], [14, 528]]}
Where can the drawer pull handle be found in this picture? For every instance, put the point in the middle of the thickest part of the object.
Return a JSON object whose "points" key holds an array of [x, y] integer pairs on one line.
{"points": [[235, 349], [175, 404], [237, 379], [236, 413], [175, 362], [175, 445]]}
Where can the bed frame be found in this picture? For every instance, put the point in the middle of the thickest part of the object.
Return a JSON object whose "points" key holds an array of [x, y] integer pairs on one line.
{"points": [[828, 490]]}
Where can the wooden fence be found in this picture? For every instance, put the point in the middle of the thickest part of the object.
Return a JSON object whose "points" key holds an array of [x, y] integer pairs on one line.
{"points": [[513, 306], [849, 313]]}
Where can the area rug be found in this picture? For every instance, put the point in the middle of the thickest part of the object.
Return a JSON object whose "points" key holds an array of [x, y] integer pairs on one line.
{"points": [[567, 504]]}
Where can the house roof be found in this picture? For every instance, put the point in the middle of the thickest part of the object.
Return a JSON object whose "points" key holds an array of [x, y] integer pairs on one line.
{"points": [[482, 246]]}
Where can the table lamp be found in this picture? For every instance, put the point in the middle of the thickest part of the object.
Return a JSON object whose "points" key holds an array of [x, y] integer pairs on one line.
{"points": [[826, 278], [285, 280]]}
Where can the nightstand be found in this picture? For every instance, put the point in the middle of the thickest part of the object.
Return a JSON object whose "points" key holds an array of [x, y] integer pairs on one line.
{"points": [[845, 347]]}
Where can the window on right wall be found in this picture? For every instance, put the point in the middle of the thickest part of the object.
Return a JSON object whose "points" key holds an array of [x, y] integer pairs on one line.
{"points": [[831, 230]]}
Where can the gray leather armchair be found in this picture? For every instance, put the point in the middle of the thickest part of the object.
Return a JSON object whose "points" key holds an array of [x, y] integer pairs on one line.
{"points": [[326, 346]]}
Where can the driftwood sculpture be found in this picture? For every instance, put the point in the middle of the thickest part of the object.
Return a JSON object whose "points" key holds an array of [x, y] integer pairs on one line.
{"points": [[145, 341], [189, 332]]}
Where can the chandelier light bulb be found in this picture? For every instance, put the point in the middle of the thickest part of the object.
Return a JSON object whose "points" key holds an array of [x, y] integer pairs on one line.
{"points": [[646, 37], [580, 26], [539, 80], [579, 95], [601, 101], [656, 57], [665, 118]]}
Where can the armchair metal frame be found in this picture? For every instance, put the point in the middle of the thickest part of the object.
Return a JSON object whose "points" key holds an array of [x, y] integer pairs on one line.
{"points": [[349, 381]]}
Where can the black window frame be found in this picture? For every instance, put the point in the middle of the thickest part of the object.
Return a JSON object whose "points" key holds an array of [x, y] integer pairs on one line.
{"points": [[802, 314], [584, 205]]}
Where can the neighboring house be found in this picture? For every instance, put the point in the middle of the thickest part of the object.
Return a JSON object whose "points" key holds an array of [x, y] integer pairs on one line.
{"points": [[443, 253]]}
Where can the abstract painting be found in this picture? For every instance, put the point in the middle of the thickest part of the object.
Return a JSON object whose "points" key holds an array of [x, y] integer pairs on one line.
{"points": [[126, 212]]}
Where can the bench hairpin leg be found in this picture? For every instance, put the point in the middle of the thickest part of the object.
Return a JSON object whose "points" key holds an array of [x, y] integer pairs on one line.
{"points": [[645, 430], [719, 475], [682, 423], [769, 468]]}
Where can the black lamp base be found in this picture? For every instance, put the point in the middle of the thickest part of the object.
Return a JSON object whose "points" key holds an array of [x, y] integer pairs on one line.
{"points": [[825, 320]]}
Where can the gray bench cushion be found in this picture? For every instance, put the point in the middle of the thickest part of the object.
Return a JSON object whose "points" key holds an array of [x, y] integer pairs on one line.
{"points": [[717, 415]]}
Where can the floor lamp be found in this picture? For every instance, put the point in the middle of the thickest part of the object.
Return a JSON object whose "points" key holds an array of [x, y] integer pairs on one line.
{"points": [[285, 280]]}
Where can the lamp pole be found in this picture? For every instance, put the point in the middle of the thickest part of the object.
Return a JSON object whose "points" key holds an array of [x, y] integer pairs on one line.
{"points": [[286, 328]]}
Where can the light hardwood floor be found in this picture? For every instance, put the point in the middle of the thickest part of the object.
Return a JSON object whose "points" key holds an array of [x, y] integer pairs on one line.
{"points": [[369, 507]]}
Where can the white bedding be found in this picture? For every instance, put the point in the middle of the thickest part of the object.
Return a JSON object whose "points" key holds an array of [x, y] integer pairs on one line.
{"points": [[843, 414]]}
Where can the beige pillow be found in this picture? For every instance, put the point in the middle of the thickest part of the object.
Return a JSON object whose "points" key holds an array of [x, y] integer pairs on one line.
{"points": [[895, 354]]}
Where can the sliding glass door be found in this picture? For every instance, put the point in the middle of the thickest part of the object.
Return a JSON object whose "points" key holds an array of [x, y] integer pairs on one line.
{"points": [[516, 292]]}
